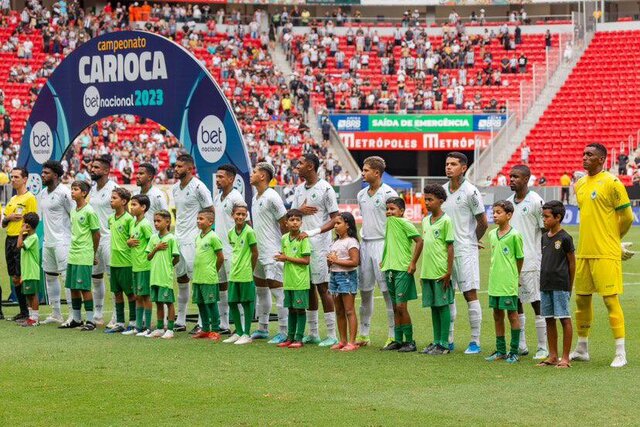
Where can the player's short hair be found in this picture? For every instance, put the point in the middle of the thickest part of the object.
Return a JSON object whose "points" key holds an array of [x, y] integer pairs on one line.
{"points": [[163, 213], [294, 213], [267, 168], [436, 190], [31, 219], [208, 213], [460, 156], [601, 149], [123, 193], [229, 169], [398, 201], [313, 159], [524, 169], [23, 171], [505, 205], [185, 158], [239, 205], [556, 207], [104, 159], [143, 200], [82, 185], [376, 163], [54, 166], [151, 170]]}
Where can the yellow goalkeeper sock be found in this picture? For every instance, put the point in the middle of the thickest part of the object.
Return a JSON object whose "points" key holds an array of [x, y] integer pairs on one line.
{"points": [[584, 314], [616, 317]]}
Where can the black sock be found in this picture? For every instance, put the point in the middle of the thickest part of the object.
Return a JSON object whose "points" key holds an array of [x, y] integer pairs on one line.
{"points": [[22, 300]]}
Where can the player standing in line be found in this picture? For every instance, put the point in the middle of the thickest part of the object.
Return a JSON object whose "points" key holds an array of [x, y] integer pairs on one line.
{"points": [[317, 201], [373, 208], [224, 201], [55, 211], [22, 203], [269, 223], [100, 201], [190, 196], [144, 179], [29, 245], [605, 217], [465, 208], [527, 219]]}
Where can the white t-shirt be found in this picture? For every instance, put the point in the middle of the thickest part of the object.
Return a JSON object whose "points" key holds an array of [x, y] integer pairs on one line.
{"points": [[527, 219], [267, 210], [463, 206], [373, 210], [157, 200], [100, 201], [224, 218], [341, 247], [321, 196], [55, 211], [189, 201]]}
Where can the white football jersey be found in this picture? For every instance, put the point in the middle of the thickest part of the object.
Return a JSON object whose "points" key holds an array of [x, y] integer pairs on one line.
{"points": [[527, 219], [373, 210], [55, 210], [158, 201], [322, 196], [189, 201], [224, 217], [267, 210], [463, 206], [100, 201]]}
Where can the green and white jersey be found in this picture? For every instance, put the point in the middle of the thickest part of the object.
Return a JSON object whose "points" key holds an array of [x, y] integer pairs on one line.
{"points": [[30, 258], [398, 241], [83, 223], [437, 236], [162, 262], [141, 231], [297, 277], [204, 264], [527, 219], [241, 243], [505, 251], [100, 201], [120, 228]]}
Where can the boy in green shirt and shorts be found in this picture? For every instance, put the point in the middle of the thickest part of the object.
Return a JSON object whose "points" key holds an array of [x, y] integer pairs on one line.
{"points": [[296, 255], [437, 265], [162, 251], [85, 239], [29, 246], [242, 289], [507, 256], [206, 293], [398, 265]]}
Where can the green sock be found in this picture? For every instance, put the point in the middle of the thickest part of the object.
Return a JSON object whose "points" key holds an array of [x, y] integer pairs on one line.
{"points": [[515, 340], [501, 345], [301, 323], [235, 316], [132, 311], [160, 324], [291, 327], [445, 321], [147, 318], [210, 308], [215, 318], [170, 325], [76, 303], [398, 333], [435, 319], [204, 316], [139, 314], [88, 305], [248, 316], [120, 312], [408, 332]]}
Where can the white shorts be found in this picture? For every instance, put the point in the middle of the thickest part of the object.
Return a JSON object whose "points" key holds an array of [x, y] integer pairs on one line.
{"points": [[529, 287], [54, 259], [466, 273], [104, 259], [225, 270], [319, 267], [187, 256], [272, 271], [370, 259]]}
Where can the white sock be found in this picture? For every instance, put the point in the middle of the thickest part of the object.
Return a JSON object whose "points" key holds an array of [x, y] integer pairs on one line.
{"points": [[454, 312], [98, 296], [223, 308], [77, 315], [183, 303], [114, 318], [541, 330], [366, 311], [475, 320], [68, 297], [391, 319], [283, 312], [523, 339], [30, 311], [199, 320], [619, 347], [312, 321], [35, 315], [583, 345], [53, 293], [263, 307], [330, 320]]}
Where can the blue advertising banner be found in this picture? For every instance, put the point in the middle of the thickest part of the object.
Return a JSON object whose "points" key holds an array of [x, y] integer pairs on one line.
{"points": [[571, 217], [140, 73], [488, 122], [350, 122]]}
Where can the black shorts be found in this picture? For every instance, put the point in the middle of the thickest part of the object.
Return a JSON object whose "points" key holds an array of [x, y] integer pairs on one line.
{"points": [[12, 255]]}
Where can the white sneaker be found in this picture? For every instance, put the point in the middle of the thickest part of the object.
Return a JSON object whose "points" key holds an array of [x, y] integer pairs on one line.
{"points": [[53, 319], [112, 324], [541, 354], [132, 331], [233, 338], [580, 356], [168, 335], [156, 334], [524, 351], [245, 339], [99, 321], [619, 361], [144, 333]]}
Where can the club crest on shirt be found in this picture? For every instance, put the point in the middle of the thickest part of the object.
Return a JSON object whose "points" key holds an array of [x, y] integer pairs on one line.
{"points": [[314, 196], [377, 201], [594, 195], [81, 219], [525, 210], [458, 199], [557, 244], [436, 233], [120, 228], [505, 250]]}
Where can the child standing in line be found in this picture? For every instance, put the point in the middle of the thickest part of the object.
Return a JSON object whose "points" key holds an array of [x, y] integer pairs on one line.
{"points": [[437, 264], [343, 260], [162, 251], [507, 256], [296, 255], [29, 246], [556, 279], [398, 265]]}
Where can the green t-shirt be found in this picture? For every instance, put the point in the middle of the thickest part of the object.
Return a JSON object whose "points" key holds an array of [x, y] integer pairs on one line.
{"points": [[398, 240], [204, 264], [141, 231], [437, 237], [120, 232], [162, 262], [83, 223], [30, 258], [297, 277], [241, 268], [503, 274]]}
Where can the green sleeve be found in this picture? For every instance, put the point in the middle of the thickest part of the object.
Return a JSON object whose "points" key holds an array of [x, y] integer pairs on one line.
{"points": [[173, 246], [151, 244], [410, 230], [216, 243], [29, 242], [94, 222], [518, 247], [251, 238], [147, 232], [305, 247], [449, 234]]}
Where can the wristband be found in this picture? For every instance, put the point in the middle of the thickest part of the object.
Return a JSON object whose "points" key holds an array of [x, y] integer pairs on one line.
{"points": [[314, 232]]}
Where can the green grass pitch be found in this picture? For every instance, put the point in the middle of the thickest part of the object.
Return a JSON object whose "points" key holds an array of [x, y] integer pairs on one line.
{"points": [[54, 377]]}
